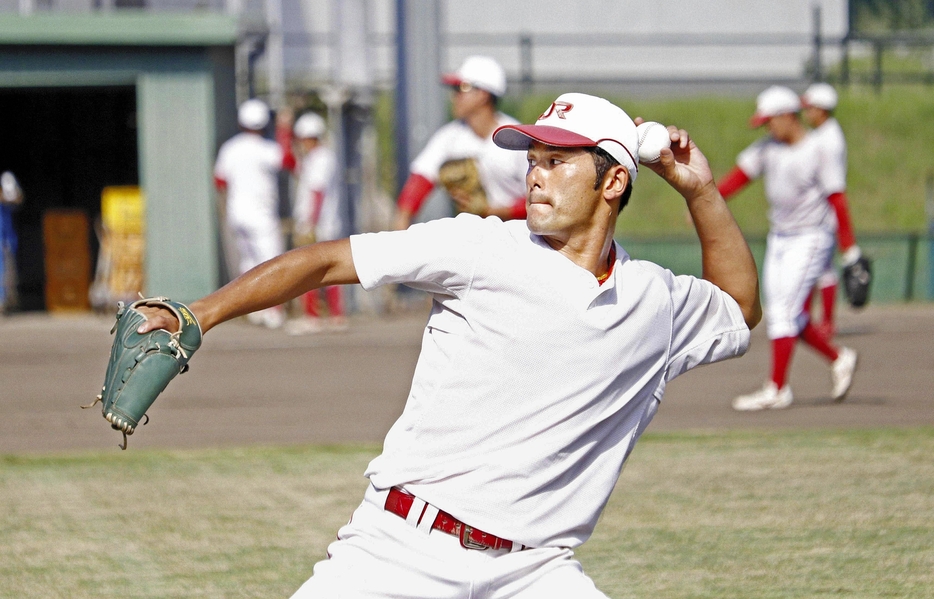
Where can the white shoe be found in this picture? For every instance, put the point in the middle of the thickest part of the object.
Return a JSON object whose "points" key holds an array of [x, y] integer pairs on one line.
{"points": [[769, 397], [303, 326], [273, 318], [841, 373]]}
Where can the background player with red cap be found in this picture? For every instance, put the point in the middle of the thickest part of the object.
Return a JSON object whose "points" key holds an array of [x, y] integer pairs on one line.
{"points": [[480, 177], [245, 173], [545, 357], [819, 102], [798, 183]]}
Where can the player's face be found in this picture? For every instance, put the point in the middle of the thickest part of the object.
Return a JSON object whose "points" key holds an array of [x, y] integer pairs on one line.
{"points": [[814, 116], [308, 144], [466, 99], [783, 126], [561, 195]]}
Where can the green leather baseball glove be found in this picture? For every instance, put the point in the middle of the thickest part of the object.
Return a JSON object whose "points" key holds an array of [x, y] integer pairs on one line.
{"points": [[141, 366]]}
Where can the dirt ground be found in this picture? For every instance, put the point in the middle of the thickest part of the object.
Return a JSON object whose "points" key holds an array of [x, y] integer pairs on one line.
{"points": [[249, 385]]}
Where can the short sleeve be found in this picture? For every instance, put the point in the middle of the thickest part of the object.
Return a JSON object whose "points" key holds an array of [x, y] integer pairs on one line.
{"points": [[707, 325], [220, 165], [436, 152], [752, 160], [832, 167], [438, 256]]}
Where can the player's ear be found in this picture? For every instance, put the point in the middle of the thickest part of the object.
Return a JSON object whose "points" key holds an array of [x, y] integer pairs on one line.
{"points": [[615, 182]]}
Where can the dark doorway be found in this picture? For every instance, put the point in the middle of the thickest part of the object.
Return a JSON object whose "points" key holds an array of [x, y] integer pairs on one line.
{"points": [[64, 145]]}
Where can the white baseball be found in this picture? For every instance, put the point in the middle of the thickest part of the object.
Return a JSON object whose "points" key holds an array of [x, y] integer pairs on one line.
{"points": [[652, 138]]}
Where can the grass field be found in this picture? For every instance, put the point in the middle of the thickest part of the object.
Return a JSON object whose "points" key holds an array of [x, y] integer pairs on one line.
{"points": [[800, 514]]}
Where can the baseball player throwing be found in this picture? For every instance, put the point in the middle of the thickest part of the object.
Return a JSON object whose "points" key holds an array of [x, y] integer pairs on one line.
{"points": [[798, 183], [480, 177], [545, 357]]}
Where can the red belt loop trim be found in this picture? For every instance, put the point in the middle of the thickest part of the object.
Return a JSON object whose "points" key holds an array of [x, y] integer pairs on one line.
{"points": [[400, 502]]}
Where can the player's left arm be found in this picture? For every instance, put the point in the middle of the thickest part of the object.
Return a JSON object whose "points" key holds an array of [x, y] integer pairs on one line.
{"points": [[845, 236], [284, 121], [272, 283], [727, 260]]}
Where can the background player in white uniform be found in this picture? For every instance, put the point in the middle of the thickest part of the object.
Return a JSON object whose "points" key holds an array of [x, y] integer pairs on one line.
{"points": [[246, 171], [819, 102], [476, 87], [545, 357], [316, 217], [800, 242]]}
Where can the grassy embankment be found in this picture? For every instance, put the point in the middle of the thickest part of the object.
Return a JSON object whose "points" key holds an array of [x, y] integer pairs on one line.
{"points": [[891, 155]]}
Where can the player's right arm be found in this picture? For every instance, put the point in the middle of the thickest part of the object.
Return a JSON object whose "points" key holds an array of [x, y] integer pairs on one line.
{"points": [[726, 259], [272, 283]]}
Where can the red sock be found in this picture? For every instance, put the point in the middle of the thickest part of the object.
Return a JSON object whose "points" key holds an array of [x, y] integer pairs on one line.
{"points": [[829, 297], [781, 358], [311, 303], [335, 300], [821, 344]]}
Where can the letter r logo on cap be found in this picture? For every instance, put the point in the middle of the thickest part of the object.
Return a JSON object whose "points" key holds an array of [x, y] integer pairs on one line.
{"points": [[558, 108]]}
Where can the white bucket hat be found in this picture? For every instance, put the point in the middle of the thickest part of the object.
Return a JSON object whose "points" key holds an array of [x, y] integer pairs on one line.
{"points": [[579, 121]]}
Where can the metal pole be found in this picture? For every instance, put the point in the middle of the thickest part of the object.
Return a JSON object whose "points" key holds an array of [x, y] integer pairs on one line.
{"points": [[402, 99], [911, 266], [929, 205], [525, 60], [275, 50], [845, 61], [818, 74], [877, 76]]}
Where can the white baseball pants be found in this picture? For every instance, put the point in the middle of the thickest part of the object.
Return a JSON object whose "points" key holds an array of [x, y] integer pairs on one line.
{"points": [[793, 264], [257, 242], [379, 555]]}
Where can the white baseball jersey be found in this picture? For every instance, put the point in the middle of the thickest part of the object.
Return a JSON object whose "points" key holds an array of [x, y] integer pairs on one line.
{"points": [[797, 182], [502, 172], [534, 381], [319, 174], [250, 164], [829, 138]]}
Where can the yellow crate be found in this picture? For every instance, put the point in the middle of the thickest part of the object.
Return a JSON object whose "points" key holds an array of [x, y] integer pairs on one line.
{"points": [[123, 209]]}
